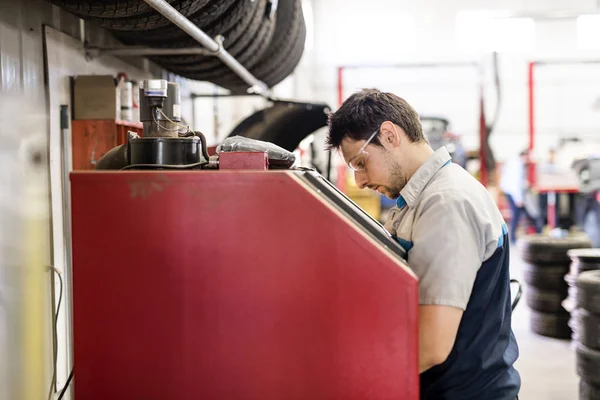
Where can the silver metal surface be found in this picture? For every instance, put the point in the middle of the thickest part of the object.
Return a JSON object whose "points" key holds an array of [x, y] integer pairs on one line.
{"points": [[256, 86], [155, 87], [145, 51]]}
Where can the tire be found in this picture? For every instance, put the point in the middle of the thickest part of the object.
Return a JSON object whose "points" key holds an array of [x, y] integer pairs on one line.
{"points": [[584, 260], [290, 22], [249, 56], [285, 46], [149, 20], [555, 325], [275, 76], [571, 303], [591, 224], [215, 18], [538, 249], [588, 391], [109, 9], [284, 124], [545, 301], [279, 74], [546, 277], [588, 364], [588, 291], [242, 32], [587, 327]]}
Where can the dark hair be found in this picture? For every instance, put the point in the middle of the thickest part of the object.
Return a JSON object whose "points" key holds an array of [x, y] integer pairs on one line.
{"points": [[363, 112]]}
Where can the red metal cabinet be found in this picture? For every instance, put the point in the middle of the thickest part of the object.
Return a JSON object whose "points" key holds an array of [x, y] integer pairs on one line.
{"points": [[233, 285]]}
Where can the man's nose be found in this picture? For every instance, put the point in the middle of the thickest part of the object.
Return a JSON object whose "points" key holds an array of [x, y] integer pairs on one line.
{"points": [[361, 179]]}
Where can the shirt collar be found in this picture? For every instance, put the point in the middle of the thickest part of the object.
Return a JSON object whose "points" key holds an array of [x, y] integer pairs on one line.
{"points": [[422, 176]]}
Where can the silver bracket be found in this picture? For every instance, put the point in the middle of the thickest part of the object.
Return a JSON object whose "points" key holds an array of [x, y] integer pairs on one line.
{"points": [[95, 52]]}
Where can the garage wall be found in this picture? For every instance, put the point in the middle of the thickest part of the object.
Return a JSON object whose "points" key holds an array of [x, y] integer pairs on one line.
{"points": [[398, 32], [32, 89], [24, 127]]}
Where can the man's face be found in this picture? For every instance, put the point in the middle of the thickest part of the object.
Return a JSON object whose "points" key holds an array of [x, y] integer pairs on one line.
{"points": [[380, 171]]}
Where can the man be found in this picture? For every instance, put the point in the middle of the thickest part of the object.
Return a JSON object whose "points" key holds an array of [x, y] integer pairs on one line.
{"points": [[456, 241], [513, 184], [548, 168]]}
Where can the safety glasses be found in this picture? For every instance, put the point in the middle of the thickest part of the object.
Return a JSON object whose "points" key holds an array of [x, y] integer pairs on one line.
{"points": [[359, 161]]}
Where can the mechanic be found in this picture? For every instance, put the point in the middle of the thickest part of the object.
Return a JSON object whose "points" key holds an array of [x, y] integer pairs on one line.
{"points": [[456, 241]]}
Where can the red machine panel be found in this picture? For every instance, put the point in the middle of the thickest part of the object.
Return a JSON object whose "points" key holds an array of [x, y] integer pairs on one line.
{"points": [[233, 285]]}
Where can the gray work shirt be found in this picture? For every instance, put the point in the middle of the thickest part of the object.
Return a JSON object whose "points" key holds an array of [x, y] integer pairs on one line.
{"points": [[457, 245], [450, 225]]}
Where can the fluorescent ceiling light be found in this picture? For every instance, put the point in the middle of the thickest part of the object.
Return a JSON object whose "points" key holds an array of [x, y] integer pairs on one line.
{"points": [[484, 31], [588, 32]]}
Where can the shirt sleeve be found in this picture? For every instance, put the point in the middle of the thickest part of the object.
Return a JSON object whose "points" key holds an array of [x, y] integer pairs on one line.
{"points": [[447, 251]]}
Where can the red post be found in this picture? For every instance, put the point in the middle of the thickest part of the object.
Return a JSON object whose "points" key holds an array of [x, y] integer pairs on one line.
{"points": [[482, 142], [341, 169], [530, 84], [340, 86]]}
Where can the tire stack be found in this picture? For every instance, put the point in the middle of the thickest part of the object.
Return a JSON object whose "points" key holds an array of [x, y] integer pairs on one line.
{"points": [[547, 263], [584, 293], [265, 36]]}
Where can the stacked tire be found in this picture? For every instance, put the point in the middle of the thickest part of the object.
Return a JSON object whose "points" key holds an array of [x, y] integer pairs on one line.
{"points": [[584, 278], [265, 36], [547, 263]]}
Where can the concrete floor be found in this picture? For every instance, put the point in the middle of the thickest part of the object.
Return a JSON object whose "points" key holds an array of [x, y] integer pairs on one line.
{"points": [[547, 366]]}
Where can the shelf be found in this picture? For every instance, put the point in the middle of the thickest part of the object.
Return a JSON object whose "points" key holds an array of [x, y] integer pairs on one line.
{"points": [[92, 139]]}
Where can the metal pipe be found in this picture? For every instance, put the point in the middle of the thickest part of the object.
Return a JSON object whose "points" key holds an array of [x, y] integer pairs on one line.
{"points": [[565, 62], [198, 34], [146, 51], [213, 95], [415, 65]]}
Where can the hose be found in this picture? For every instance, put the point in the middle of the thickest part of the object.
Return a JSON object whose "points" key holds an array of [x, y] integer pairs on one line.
{"points": [[519, 293]]}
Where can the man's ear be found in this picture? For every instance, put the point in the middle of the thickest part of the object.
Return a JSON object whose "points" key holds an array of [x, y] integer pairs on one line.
{"points": [[391, 135]]}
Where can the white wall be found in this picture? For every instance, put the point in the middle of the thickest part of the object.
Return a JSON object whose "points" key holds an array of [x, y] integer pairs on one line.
{"points": [[398, 32], [32, 89]]}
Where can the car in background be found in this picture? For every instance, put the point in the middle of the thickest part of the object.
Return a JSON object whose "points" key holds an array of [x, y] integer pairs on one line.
{"points": [[437, 131]]}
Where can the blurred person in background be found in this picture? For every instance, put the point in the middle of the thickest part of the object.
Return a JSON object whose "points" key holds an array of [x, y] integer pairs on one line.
{"points": [[548, 167], [514, 185]]}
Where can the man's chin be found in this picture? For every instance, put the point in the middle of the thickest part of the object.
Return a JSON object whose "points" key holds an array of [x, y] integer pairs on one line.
{"points": [[391, 196]]}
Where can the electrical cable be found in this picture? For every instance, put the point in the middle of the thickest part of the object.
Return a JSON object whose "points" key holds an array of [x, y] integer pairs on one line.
{"points": [[64, 389], [55, 330], [162, 127], [187, 128]]}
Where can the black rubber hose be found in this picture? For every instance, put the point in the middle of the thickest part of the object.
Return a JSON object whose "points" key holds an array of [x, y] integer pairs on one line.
{"points": [[519, 293], [203, 140]]}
